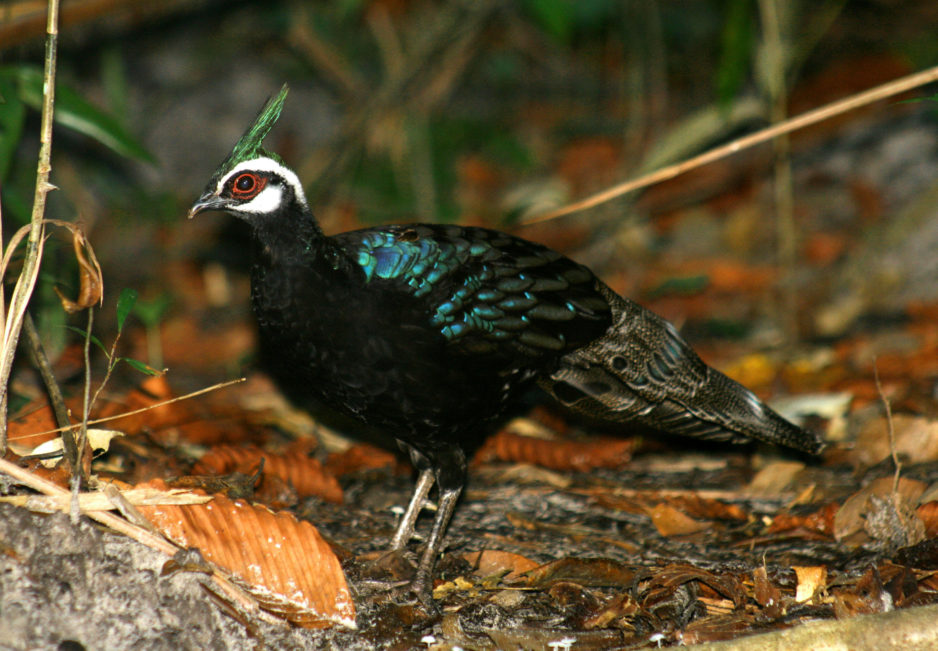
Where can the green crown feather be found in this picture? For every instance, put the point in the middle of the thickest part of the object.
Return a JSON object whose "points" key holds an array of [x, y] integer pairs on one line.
{"points": [[249, 146]]}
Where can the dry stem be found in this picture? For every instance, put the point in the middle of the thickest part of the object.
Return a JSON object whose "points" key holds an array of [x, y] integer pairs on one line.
{"points": [[27, 278], [827, 112]]}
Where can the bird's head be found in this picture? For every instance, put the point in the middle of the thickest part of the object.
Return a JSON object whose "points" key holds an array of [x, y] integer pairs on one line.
{"points": [[253, 183]]}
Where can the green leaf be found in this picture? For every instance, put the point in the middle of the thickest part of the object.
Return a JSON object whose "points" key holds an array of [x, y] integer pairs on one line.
{"points": [[553, 16], [125, 303], [84, 333], [140, 366], [74, 112], [736, 54], [12, 117]]}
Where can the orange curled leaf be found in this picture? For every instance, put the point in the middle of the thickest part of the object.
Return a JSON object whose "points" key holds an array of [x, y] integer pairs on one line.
{"points": [[820, 521], [293, 466], [491, 561], [669, 521], [361, 456], [928, 514], [581, 456], [91, 279], [283, 563]]}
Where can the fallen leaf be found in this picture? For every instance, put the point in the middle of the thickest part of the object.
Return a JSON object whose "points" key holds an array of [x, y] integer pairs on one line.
{"points": [[774, 478], [916, 437], [811, 580], [284, 563], [492, 561], [765, 594], [820, 520], [304, 473], [581, 456], [850, 521], [928, 514], [596, 572], [671, 522]]}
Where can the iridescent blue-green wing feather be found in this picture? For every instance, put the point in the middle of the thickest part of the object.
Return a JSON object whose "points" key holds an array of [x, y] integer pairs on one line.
{"points": [[485, 289]]}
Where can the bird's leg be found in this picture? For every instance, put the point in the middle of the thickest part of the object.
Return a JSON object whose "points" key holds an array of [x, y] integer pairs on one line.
{"points": [[405, 531], [423, 580]]}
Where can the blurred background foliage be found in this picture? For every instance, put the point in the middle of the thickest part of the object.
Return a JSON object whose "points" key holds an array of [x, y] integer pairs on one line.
{"points": [[478, 111]]}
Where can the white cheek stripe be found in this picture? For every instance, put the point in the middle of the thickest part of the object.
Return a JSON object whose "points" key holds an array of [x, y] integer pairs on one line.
{"points": [[267, 201], [265, 164]]}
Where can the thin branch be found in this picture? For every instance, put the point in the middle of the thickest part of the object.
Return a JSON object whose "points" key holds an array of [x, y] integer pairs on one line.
{"points": [[78, 473], [41, 362], [890, 428], [827, 112]]}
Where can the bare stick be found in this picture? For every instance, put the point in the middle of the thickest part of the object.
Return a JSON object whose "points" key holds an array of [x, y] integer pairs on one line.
{"points": [[833, 109], [891, 429]]}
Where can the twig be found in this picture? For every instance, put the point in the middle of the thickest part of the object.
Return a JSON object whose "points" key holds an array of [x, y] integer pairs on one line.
{"points": [[41, 362], [129, 529], [27, 278], [79, 475], [220, 385], [831, 110], [890, 428]]}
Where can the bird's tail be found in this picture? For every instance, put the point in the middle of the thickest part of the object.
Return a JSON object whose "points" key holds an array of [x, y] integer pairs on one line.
{"points": [[641, 370]]}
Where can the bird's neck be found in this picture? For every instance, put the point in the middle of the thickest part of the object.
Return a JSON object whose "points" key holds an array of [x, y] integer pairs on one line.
{"points": [[291, 237]]}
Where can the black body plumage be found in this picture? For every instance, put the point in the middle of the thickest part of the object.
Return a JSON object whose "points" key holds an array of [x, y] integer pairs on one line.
{"points": [[430, 333]]}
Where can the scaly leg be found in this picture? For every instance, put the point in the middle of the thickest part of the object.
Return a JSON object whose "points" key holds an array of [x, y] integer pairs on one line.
{"points": [[405, 531], [423, 581]]}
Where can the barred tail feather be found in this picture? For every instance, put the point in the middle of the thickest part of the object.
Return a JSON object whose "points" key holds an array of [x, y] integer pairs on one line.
{"points": [[641, 370]]}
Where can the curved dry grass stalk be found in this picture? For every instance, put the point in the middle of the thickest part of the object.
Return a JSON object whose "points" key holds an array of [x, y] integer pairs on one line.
{"points": [[884, 91], [13, 321]]}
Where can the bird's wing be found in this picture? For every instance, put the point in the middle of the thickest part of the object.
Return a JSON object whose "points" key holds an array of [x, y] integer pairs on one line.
{"points": [[484, 290]]}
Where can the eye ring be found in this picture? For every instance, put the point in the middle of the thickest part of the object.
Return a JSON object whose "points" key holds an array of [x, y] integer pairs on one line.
{"points": [[247, 185]]}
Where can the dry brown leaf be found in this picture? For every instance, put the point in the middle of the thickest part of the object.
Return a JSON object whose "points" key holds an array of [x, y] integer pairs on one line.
{"points": [[584, 571], [774, 478], [358, 457], [765, 594], [91, 279], [581, 456], [811, 580], [851, 519], [916, 437], [671, 522], [284, 563], [672, 576], [174, 422], [821, 521], [293, 466], [150, 392], [928, 514], [491, 561]]}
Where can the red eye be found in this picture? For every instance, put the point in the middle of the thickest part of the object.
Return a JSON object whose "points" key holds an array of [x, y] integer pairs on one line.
{"points": [[247, 185]]}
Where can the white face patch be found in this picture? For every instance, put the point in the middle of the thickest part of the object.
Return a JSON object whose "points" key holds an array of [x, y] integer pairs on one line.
{"points": [[271, 196], [267, 201]]}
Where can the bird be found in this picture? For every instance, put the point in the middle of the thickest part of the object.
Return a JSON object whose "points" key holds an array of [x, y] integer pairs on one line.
{"points": [[431, 332]]}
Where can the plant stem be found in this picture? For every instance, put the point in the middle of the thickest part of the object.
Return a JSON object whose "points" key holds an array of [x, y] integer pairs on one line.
{"points": [[27, 278]]}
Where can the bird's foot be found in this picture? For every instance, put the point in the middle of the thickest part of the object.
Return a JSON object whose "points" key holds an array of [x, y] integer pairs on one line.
{"points": [[388, 580]]}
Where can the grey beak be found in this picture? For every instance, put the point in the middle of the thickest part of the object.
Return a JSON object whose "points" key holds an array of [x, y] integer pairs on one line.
{"points": [[208, 201]]}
